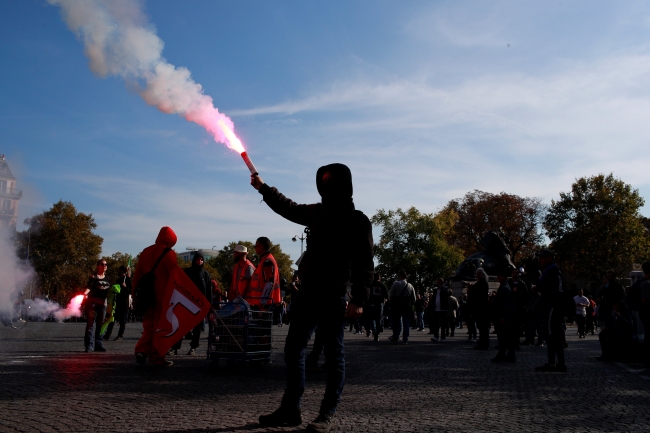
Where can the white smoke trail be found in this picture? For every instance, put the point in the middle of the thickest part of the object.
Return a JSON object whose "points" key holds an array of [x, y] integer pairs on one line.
{"points": [[118, 41], [14, 274], [44, 309]]}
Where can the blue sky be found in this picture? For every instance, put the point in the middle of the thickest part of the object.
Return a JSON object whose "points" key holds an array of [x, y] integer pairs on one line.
{"points": [[423, 100]]}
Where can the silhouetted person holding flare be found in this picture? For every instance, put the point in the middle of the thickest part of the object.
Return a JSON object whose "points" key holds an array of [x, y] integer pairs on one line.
{"points": [[339, 253]]}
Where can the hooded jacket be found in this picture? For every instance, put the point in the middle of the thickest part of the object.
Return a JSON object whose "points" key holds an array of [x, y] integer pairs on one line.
{"points": [[200, 277], [166, 239], [339, 238]]}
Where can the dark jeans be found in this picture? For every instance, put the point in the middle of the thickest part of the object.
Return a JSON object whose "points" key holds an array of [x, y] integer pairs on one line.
{"points": [[420, 320], [506, 334], [483, 324], [317, 349], [451, 325], [376, 322], [439, 324], [397, 323], [581, 321], [120, 318], [471, 327], [554, 331], [95, 312], [196, 336], [329, 319]]}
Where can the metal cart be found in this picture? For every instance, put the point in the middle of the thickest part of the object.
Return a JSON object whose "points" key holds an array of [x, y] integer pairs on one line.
{"points": [[239, 333]]}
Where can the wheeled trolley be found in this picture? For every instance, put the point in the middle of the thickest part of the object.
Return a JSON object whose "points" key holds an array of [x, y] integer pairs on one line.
{"points": [[239, 333]]}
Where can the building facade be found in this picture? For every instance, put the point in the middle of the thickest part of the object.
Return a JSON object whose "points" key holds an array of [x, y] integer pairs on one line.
{"points": [[9, 196]]}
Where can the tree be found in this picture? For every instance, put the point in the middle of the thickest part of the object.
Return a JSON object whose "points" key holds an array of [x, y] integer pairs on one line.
{"points": [[415, 242], [63, 249], [519, 218], [597, 227], [223, 263]]}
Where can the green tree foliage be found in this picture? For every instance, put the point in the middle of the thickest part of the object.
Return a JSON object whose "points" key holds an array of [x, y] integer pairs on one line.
{"points": [[224, 262], [416, 243], [63, 249], [597, 227], [519, 218]]}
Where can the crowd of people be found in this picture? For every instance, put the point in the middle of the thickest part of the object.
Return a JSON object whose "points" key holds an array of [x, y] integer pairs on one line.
{"points": [[524, 310], [337, 285]]}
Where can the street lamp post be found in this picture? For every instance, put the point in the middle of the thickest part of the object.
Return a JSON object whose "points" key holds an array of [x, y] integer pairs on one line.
{"points": [[302, 239]]}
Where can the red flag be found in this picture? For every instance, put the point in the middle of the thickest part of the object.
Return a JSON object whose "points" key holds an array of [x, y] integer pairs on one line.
{"points": [[183, 307]]}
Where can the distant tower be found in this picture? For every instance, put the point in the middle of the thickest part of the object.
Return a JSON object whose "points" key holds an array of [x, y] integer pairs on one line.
{"points": [[9, 196]]}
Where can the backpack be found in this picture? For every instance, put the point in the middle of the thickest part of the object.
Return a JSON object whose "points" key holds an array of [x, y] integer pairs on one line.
{"points": [[144, 294]]}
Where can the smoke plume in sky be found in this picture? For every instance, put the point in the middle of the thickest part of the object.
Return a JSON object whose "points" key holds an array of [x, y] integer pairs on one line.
{"points": [[14, 274], [118, 41]]}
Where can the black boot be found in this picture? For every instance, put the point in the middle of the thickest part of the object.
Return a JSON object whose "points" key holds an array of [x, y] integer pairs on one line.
{"points": [[322, 424], [284, 416]]}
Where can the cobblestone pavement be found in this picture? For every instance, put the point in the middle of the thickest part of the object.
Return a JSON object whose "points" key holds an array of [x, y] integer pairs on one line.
{"points": [[49, 385]]}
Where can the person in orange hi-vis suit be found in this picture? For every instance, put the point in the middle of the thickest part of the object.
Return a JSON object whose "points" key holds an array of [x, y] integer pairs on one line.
{"points": [[242, 273], [166, 239]]}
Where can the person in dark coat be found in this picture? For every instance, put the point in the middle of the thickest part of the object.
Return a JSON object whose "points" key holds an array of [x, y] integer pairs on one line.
{"points": [[479, 307], [612, 291], [551, 289], [339, 254], [440, 301], [505, 320], [378, 295], [615, 338], [521, 297], [201, 279]]}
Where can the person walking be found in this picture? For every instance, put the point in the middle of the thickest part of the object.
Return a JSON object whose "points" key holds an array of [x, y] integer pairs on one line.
{"points": [[505, 322], [552, 304], [201, 279], [162, 258], [378, 295], [420, 305], [581, 312], [339, 255], [402, 298], [95, 307], [479, 306], [451, 313], [440, 307], [242, 272]]}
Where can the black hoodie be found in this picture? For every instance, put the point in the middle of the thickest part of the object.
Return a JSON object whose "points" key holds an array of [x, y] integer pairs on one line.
{"points": [[339, 239], [200, 276]]}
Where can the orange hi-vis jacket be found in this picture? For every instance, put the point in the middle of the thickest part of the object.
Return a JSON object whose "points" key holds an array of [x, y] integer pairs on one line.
{"points": [[259, 293], [239, 283]]}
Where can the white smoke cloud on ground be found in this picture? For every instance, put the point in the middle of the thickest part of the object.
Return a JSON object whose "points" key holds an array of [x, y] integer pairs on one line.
{"points": [[118, 41], [44, 309], [14, 274]]}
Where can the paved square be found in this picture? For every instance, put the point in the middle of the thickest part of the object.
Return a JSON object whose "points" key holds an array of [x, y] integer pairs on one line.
{"points": [[48, 384]]}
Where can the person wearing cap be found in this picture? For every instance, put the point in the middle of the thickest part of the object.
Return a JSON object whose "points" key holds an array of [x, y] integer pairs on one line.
{"points": [[242, 273], [339, 254], [554, 327]]}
